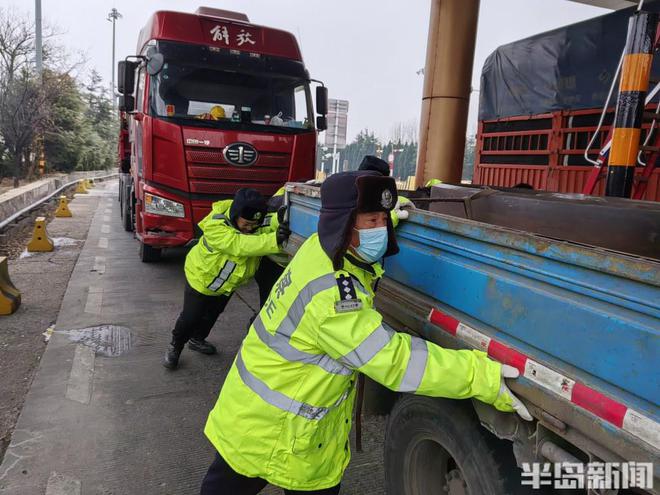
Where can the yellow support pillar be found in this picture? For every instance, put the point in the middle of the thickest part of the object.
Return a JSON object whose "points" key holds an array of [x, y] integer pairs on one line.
{"points": [[63, 208], [40, 242], [447, 87], [80, 188], [10, 296]]}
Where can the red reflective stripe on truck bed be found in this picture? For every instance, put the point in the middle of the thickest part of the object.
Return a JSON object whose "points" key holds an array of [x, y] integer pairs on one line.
{"points": [[506, 355], [597, 403], [444, 321], [587, 398]]}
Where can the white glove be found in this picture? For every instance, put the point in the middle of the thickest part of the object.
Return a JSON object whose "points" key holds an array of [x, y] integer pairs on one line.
{"points": [[402, 214], [516, 404], [399, 209]]}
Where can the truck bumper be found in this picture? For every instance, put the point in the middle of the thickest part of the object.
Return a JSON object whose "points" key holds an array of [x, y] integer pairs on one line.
{"points": [[164, 231]]}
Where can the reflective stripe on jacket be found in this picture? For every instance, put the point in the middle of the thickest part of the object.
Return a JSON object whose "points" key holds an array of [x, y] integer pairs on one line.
{"points": [[284, 412], [224, 258]]}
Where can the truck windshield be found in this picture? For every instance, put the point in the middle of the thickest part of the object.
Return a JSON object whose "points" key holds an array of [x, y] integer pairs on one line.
{"points": [[231, 99]]}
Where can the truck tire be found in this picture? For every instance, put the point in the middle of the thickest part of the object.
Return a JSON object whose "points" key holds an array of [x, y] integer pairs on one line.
{"points": [[438, 446], [149, 254], [126, 214]]}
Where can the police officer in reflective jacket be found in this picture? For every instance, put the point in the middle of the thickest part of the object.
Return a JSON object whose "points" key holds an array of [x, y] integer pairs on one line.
{"points": [[225, 258], [284, 412]]}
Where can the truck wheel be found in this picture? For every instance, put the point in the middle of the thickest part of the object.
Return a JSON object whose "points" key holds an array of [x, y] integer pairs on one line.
{"points": [[437, 446], [126, 216], [149, 254]]}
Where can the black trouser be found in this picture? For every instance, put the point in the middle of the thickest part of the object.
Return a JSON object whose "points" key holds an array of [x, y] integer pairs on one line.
{"points": [[198, 316], [266, 276], [221, 479]]}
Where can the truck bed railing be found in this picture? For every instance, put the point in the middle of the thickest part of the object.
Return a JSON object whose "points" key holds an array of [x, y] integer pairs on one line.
{"points": [[586, 315]]}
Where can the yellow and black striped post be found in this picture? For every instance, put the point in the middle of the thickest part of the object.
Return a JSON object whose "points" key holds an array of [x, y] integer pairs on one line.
{"points": [[633, 86]]}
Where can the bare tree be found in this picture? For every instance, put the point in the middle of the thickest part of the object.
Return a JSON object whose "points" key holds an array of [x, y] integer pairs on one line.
{"points": [[24, 96], [404, 132], [23, 114]]}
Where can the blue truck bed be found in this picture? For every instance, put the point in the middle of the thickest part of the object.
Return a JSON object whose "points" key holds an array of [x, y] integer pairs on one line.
{"points": [[581, 323]]}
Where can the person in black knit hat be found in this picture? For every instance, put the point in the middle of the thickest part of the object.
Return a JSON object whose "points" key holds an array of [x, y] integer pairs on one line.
{"points": [[225, 258], [375, 164]]}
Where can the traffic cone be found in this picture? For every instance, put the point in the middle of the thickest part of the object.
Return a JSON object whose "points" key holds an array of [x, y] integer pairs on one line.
{"points": [[10, 296], [80, 188], [63, 208], [40, 242]]}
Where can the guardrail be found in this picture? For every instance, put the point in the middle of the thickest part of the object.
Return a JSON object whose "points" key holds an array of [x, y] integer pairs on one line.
{"points": [[20, 213]]}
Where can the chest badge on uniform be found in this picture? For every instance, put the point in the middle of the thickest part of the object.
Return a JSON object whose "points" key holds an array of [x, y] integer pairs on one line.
{"points": [[348, 300]]}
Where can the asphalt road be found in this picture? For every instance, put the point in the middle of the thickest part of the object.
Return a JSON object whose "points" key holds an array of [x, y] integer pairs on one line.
{"points": [[102, 415]]}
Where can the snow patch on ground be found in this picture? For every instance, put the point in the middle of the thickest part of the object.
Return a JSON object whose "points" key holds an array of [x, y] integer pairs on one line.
{"points": [[64, 241]]}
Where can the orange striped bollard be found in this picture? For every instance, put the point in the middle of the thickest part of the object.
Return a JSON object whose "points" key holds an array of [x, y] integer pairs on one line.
{"points": [[633, 85]]}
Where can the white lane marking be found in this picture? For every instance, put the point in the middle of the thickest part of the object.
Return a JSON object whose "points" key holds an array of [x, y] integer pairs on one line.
{"points": [[94, 300], [105, 228], [108, 211], [99, 265], [106, 218], [103, 242], [79, 387], [61, 484]]}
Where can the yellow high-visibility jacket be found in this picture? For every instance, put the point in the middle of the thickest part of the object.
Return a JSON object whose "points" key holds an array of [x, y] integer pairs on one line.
{"points": [[284, 411], [224, 258]]}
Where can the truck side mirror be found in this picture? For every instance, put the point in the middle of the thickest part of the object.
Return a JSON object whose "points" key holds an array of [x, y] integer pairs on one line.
{"points": [[126, 77], [321, 100], [126, 103], [321, 123]]}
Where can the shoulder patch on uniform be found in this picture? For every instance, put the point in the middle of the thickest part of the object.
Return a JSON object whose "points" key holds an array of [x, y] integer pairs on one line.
{"points": [[348, 300]]}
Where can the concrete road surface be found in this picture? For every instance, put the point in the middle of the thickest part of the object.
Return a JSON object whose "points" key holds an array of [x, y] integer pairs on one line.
{"points": [[103, 417]]}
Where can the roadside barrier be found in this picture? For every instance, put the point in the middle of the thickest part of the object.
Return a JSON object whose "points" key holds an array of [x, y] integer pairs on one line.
{"points": [[63, 208], [40, 242], [80, 188], [10, 296], [14, 217]]}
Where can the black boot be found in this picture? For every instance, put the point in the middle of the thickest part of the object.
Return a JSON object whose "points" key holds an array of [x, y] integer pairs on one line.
{"points": [[171, 359], [201, 346]]}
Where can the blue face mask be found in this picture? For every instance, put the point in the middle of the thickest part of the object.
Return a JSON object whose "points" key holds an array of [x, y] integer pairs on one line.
{"points": [[373, 243]]}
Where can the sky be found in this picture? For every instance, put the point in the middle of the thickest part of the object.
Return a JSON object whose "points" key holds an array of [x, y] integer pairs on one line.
{"points": [[366, 51]]}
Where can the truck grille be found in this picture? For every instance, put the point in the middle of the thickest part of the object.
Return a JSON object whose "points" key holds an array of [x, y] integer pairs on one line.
{"points": [[210, 173]]}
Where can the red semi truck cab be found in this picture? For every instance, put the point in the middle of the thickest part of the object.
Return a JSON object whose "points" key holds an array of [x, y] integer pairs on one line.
{"points": [[213, 103]]}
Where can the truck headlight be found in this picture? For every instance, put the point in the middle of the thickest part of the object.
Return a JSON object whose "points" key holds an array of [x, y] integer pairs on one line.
{"points": [[161, 206]]}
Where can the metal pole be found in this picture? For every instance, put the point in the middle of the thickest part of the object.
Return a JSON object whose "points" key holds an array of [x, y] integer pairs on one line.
{"points": [[335, 158], [634, 84], [38, 39], [112, 17], [447, 85], [113, 60]]}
